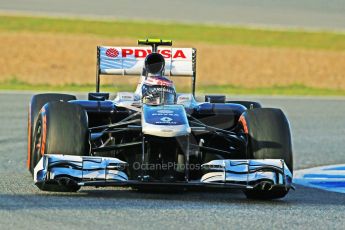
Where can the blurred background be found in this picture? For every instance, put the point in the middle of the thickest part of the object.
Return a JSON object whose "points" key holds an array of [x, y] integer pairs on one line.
{"points": [[294, 47]]}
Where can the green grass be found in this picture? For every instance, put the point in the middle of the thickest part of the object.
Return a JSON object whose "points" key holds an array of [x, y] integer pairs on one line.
{"points": [[295, 89], [182, 33], [177, 32]]}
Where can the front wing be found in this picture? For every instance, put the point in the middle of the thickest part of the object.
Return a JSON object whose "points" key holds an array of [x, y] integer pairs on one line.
{"points": [[52, 171]]}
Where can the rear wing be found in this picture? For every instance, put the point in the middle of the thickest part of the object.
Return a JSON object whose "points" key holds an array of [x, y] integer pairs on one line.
{"points": [[130, 61]]}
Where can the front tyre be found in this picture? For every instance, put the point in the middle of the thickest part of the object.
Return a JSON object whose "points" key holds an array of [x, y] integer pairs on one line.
{"points": [[61, 128], [269, 137], [36, 104]]}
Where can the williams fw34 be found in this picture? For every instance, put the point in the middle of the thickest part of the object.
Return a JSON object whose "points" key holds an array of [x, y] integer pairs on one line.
{"points": [[155, 138]]}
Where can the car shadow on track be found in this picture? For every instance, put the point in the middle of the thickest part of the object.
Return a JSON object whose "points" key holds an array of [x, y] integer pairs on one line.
{"points": [[302, 195], [126, 198]]}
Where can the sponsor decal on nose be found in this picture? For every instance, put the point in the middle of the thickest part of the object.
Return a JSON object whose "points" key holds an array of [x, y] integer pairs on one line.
{"points": [[166, 119], [165, 111]]}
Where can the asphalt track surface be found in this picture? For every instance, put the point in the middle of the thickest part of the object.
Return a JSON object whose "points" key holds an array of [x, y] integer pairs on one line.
{"points": [[319, 134], [315, 14]]}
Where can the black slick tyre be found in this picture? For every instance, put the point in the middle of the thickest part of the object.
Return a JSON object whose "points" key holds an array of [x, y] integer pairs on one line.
{"points": [[36, 104], [61, 128], [269, 137]]}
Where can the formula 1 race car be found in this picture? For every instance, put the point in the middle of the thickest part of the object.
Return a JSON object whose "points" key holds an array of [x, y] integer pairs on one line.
{"points": [[155, 138]]}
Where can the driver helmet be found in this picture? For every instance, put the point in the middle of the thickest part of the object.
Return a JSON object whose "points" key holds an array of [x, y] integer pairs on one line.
{"points": [[158, 90]]}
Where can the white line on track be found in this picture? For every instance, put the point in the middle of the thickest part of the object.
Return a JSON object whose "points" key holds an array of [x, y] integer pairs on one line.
{"points": [[330, 178]]}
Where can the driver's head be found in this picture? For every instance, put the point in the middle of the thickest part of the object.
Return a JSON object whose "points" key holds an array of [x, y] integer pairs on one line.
{"points": [[158, 90]]}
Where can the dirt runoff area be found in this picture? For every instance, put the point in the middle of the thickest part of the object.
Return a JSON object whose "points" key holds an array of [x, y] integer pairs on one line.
{"points": [[67, 59]]}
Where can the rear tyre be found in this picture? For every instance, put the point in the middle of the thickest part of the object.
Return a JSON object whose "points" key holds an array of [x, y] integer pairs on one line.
{"points": [[61, 128], [36, 104], [269, 137]]}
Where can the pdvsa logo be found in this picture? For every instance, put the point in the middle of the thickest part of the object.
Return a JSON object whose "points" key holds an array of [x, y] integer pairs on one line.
{"points": [[142, 53], [111, 52]]}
